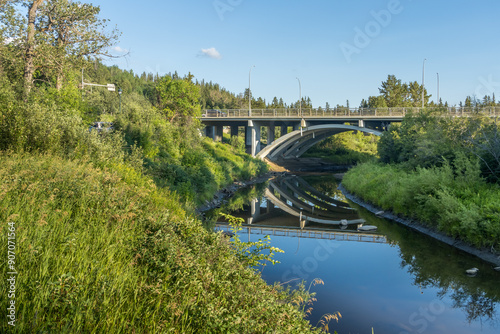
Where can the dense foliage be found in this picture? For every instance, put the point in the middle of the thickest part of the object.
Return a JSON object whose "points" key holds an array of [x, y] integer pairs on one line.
{"points": [[347, 148], [105, 238]]}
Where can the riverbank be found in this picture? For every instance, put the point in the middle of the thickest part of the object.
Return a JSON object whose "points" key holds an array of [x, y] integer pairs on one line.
{"points": [[88, 239], [226, 192], [483, 253]]}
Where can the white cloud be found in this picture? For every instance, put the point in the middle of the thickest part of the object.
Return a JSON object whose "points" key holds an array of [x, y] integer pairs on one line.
{"points": [[119, 49], [211, 53]]}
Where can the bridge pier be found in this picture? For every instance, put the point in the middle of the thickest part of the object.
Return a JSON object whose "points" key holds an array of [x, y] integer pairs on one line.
{"points": [[210, 132], [219, 132], [252, 138], [271, 135], [234, 131], [284, 130]]}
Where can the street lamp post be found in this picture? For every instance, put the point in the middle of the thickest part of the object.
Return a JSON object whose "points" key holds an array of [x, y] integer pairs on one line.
{"points": [[250, 92], [300, 98], [120, 94], [438, 87], [423, 78]]}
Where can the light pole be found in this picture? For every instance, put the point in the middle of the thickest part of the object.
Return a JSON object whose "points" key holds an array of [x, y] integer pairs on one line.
{"points": [[120, 94], [250, 92], [423, 77], [300, 98], [438, 87]]}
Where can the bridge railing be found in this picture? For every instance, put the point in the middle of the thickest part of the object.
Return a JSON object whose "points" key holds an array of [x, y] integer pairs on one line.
{"points": [[343, 112]]}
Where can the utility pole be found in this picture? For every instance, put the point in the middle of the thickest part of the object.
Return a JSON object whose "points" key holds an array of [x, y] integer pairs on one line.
{"points": [[300, 98], [250, 92], [423, 77], [438, 87]]}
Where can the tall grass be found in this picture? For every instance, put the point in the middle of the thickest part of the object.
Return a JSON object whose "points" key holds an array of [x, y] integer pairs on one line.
{"points": [[107, 251], [454, 199]]}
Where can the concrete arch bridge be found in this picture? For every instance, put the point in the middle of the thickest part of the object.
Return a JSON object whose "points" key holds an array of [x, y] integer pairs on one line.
{"points": [[298, 133], [296, 143]]}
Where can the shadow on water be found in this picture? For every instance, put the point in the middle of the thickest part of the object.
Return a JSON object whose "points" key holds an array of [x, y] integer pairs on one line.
{"points": [[301, 204]]}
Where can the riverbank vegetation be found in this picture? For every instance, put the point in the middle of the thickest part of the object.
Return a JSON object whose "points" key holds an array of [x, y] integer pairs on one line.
{"points": [[104, 229], [441, 170], [346, 148]]}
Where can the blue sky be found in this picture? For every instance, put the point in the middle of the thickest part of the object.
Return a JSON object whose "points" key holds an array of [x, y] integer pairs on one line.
{"points": [[341, 50]]}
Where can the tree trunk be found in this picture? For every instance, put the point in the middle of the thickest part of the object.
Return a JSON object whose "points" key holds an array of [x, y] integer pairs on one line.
{"points": [[29, 67]]}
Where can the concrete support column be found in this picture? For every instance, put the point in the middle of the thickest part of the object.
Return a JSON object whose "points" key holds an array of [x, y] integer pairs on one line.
{"points": [[271, 134], [284, 130], [234, 130], [252, 138], [210, 132], [248, 139], [219, 131], [361, 123]]}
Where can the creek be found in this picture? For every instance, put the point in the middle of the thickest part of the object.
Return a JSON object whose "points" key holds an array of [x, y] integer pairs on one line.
{"points": [[394, 279]]}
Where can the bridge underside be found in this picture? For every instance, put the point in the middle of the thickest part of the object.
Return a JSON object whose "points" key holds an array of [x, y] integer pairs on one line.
{"points": [[296, 143], [304, 133]]}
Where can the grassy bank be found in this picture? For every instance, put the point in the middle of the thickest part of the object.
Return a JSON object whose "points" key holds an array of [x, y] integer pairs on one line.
{"points": [[105, 250], [347, 148], [453, 199]]}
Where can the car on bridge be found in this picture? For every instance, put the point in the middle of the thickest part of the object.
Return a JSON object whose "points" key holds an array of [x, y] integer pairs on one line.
{"points": [[101, 126], [214, 113]]}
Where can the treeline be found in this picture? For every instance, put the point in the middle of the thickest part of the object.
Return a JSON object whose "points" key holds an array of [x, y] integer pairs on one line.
{"points": [[395, 93], [442, 171]]}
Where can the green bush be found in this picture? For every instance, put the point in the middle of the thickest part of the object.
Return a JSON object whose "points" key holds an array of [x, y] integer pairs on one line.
{"points": [[346, 148], [453, 199]]}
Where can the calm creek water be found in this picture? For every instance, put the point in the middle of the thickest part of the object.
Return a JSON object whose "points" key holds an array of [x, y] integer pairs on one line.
{"points": [[393, 280]]}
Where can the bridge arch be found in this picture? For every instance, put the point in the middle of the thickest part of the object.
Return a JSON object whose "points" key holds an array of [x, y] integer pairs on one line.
{"points": [[296, 143]]}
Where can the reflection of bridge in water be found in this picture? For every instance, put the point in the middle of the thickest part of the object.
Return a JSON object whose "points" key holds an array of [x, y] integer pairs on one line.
{"points": [[290, 204], [311, 234], [297, 198]]}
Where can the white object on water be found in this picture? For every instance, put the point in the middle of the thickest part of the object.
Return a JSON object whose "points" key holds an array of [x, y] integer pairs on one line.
{"points": [[472, 271], [367, 228]]}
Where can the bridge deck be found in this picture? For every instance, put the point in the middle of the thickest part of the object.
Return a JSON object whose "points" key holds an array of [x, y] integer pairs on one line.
{"points": [[339, 112]]}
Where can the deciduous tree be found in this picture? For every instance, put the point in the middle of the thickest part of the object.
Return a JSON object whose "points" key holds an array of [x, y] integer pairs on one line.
{"points": [[71, 31], [178, 98]]}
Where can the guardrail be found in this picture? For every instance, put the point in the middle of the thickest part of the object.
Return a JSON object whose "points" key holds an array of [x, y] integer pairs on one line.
{"points": [[311, 234], [341, 112]]}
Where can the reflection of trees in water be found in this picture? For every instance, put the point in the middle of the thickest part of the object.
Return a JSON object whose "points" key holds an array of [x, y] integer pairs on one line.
{"points": [[434, 265], [237, 201], [477, 305], [326, 184]]}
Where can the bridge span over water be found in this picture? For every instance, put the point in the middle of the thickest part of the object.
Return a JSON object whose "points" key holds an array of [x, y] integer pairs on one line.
{"points": [[305, 127], [309, 122]]}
